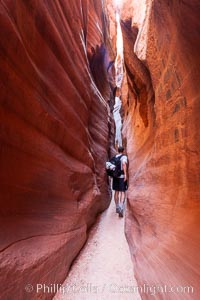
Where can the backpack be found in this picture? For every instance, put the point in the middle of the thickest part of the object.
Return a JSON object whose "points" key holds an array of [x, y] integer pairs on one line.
{"points": [[113, 167]]}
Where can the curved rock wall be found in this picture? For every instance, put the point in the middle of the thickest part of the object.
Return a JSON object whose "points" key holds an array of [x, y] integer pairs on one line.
{"points": [[54, 136], [161, 129]]}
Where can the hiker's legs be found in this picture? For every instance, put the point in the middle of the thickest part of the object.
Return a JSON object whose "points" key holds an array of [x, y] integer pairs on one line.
{"points": [[121, 197], [121, 206], [124, 196], [116, 197]]}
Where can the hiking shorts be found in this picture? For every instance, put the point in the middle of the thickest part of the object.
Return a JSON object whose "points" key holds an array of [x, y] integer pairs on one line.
{"points": [[119, 184]]}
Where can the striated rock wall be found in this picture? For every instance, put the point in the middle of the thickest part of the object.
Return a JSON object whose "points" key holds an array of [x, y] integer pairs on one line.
{"points": [[54, 134], [161, 130]]}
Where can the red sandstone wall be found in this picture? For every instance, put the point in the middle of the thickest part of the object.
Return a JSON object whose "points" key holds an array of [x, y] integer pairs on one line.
{"points": [[163, 140], [54, 137]]}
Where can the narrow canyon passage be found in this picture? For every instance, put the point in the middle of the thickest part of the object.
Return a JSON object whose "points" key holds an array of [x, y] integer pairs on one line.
{"points": [[62, 79], [103, 270]]}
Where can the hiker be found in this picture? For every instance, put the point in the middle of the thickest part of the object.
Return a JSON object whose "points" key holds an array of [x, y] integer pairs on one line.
{"points": [[120, 183]]}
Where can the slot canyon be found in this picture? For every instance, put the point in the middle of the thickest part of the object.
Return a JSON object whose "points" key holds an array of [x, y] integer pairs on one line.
{"points": [[58, 88]]}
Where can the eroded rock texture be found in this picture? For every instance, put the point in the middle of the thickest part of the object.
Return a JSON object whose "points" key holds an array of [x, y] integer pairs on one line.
{"points": [[161, 126], [54, 134]]}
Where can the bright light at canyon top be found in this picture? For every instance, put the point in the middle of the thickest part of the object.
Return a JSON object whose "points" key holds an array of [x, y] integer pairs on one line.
{"points": [[119, 61], [118, 3]]}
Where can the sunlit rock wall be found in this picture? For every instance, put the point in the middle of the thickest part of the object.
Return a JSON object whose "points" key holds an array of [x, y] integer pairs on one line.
{"points": [[54, 134], [161, 127]]}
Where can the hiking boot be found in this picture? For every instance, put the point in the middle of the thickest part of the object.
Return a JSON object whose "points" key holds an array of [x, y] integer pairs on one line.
{"points": [[121, 211]]}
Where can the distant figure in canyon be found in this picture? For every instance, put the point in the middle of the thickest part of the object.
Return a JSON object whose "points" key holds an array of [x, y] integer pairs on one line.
{"points": [[120, 183]]}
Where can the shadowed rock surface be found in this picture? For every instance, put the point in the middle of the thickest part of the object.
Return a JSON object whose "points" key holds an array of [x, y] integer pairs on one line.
{"points": [[55, 131]]}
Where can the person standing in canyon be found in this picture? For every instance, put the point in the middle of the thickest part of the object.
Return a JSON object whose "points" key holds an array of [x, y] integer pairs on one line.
{"points": [[120, 183]]}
